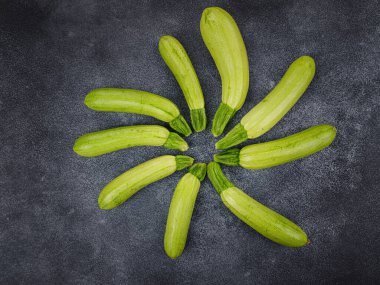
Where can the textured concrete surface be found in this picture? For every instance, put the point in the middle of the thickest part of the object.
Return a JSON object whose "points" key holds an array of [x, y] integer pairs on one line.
{"points": [[51, 230]]}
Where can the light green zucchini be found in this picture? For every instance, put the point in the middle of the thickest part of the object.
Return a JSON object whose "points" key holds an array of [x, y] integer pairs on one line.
{"points": [[274, 106], [181, 210], [226, 46], [176, 58], [106, 141], [127, 184], [268, 154], [259, 217], [137, 102]]}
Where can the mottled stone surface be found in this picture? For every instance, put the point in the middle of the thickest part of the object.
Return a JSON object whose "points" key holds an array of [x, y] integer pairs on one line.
{"points": [[51, 230]]}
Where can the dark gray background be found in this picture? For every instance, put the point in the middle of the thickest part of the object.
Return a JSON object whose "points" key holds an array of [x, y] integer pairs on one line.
{"points": [[51, 230]]}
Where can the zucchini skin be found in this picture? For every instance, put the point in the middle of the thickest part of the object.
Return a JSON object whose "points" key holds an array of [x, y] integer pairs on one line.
{"points": [[266, 114], [178, 61], [281, 99], [287, 149], [226, 46], [181, 211], [132, 101], [265, 221], [127, 184], [262, 219], [106, 141], [277, 152], [137, 102]]}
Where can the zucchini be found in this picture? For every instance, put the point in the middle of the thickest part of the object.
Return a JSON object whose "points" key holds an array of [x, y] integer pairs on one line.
{"points": [[181, 210], [226, 46], [276, 152], [261, 118], [259, 217], [137, 102], [176, 58], [106, 141], [127, 184]]}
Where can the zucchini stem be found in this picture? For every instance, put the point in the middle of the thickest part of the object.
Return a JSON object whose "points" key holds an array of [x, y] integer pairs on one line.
{"points": [[183, 161], [229, 157], [198, 119], [174, 141], [222, 116], [236, 136], [180, 125], [217, 177], [199, 171]]}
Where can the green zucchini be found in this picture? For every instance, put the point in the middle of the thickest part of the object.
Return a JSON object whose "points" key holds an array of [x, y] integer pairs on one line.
{"points": [[137, 102], [181, 210], [277, 152], [226, 46], [176, 58], [259, 217], [274, 106], [127, 184], [106, 141]]}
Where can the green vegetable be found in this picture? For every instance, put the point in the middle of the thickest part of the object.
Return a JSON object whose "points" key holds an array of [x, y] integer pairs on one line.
{"points": [[124, 186], [225, 44], [101, 142], [181, 210], [262, 219], [274, 106], [268, 154], [176, 58], [138, 102]]}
